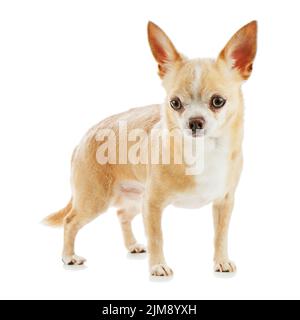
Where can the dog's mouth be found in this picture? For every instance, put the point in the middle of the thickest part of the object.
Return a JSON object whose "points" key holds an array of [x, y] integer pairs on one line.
{"points": [[199, 133]]}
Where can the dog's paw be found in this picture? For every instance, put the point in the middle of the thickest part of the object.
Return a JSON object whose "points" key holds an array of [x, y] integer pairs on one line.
{"points": [[73, 260], [225, 266], [161, 270], [137, 248]]}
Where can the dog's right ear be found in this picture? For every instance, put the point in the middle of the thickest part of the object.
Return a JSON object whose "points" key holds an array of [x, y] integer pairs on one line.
{"points": [[162, 48], [240, 51]]}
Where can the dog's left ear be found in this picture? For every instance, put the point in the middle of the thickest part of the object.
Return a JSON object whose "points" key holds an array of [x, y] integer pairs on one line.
{"points": [[240, 51], [162, 49]]}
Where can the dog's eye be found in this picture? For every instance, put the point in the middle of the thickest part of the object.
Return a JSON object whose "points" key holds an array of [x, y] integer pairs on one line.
{"points": [[217, 102], [175, 103]]}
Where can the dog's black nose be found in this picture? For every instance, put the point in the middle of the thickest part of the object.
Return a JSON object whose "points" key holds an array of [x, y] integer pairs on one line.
{"points": [[196, 124]]}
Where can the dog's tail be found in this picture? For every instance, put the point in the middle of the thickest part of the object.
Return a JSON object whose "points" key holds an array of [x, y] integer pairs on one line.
{"points": [[56, 219]]}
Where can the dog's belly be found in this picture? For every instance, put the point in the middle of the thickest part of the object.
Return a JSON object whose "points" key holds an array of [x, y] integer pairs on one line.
{"points": [[200, 198], [191, 202], [209, 186]]}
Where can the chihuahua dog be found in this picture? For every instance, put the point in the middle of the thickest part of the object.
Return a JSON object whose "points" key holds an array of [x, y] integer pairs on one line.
{"points": [[203, 96]]}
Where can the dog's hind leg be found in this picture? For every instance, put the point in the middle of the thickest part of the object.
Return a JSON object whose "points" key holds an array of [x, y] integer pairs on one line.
{"points": [[125, 217], [89, 201], [73, 222]]}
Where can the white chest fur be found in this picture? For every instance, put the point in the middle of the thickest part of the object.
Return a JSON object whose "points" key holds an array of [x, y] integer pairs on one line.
{"points": [[211, 182]]}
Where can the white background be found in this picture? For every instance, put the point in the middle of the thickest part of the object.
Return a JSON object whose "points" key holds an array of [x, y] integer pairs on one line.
{"points": [[65, 65]]}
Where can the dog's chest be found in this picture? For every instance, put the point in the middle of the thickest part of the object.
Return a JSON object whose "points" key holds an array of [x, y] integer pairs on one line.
{"points": [[210, 184]]}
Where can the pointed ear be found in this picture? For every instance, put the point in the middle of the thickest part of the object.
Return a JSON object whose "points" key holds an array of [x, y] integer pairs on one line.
{"points": [[240, 51], [162, 48]]}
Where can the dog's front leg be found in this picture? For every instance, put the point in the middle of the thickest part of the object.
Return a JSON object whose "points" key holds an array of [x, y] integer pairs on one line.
{"points": [[222, 210], [152, 219]]}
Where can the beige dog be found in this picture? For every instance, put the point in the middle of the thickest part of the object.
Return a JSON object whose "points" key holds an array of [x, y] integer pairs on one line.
{"points": [[204, 103]]}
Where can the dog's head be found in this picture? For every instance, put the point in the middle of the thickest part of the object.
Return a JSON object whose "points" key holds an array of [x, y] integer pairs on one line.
{"points": [[203, 94]]}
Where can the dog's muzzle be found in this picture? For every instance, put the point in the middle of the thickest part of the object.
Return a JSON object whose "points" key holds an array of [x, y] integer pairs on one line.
{"points": [[197, 126]]}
